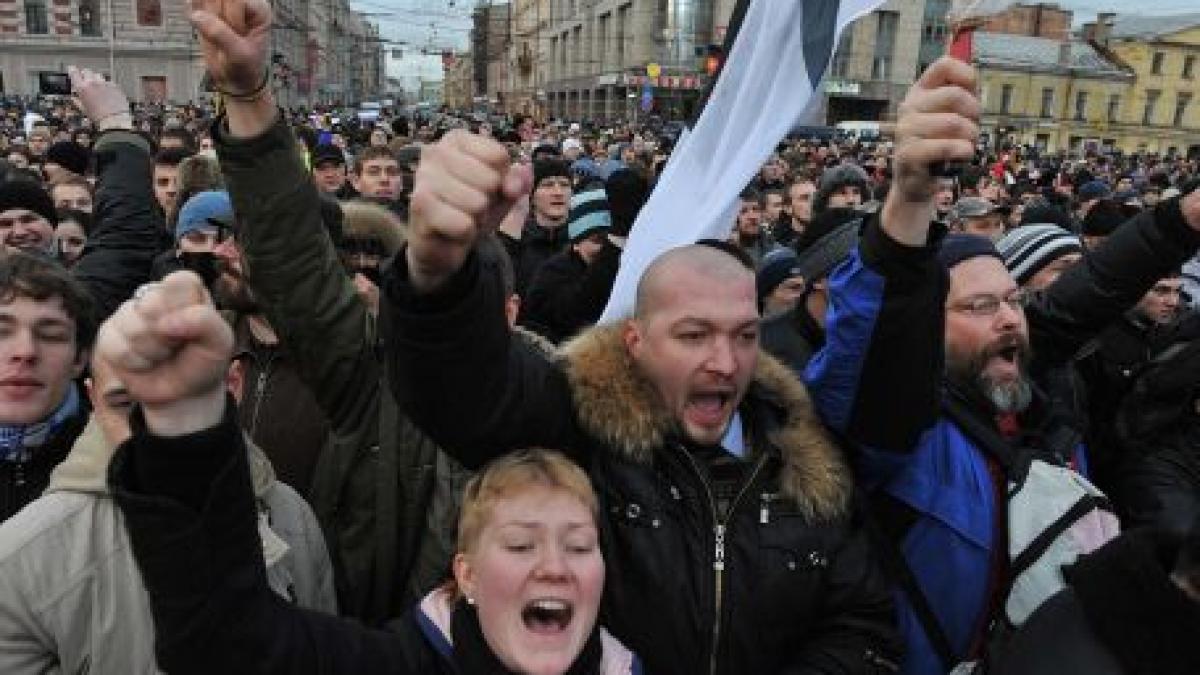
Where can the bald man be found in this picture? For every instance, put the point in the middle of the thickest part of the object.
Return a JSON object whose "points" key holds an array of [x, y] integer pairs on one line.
{"points": [[721, 496]]}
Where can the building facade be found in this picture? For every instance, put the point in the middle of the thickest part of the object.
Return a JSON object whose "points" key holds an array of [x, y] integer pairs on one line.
{"points": [[1056, 95], [1160, 114], [458, 81], [877, 59], [146, 46]]}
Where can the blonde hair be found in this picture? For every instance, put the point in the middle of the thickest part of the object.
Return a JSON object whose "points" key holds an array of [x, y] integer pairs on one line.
{"points": [[511, 474]]}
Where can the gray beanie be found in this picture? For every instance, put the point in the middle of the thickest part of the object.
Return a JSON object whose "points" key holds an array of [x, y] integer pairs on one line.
{"points": [[838, 177]]}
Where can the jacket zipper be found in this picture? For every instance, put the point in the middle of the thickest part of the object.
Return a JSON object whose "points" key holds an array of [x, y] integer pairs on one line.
{"points": [[260, 388], [719, 531]]}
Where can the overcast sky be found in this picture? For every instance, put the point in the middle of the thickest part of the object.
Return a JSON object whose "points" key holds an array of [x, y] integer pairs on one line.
{"points": [[435, 25]]}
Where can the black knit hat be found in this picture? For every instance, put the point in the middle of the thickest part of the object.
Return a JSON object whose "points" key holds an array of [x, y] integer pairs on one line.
{"points": [[23, 194], [1041, 212], [549, 168], [958, 247], [69, 155], [627, 193], [1104, 217]]}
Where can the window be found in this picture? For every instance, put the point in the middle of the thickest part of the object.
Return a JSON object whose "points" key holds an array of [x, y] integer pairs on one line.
{"points": [[1081, 101], [89, 19], [624, 29], [1048, 102], [149, 13], [1182, 100], [1152, 96], [36, 21], [1189, 64], [1006, 93], [602, 42], [1114, 107], [841, 57], [885, 45], [1156, 63]]}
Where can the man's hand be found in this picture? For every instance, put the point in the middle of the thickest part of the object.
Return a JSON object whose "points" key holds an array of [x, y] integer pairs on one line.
{"points": [[171, 349], [938, 122], [101, 101], [234, 38], [464, 187]]}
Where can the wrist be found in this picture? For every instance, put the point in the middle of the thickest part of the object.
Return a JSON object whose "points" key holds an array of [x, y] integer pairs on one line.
{"points": [[118, 120], [188, 415], [250, 118], [907, 222]]}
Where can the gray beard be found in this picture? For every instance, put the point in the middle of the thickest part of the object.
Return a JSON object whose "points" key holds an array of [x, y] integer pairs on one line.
{"points": [[1013, 397]]}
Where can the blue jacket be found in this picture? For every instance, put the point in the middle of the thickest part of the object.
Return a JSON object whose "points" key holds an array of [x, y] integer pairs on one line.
{"points": [[877, 382]]}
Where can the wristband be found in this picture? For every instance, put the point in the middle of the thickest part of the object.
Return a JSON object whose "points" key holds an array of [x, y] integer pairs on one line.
{"points": [[252, 95]]}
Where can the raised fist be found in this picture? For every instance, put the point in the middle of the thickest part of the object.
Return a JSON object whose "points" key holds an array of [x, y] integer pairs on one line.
{"points": [[234, 37], [464, 187], [171, 349], [938, 122]]}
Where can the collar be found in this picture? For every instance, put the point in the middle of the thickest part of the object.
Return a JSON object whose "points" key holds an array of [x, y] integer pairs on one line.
{"points": [[19, 441]]}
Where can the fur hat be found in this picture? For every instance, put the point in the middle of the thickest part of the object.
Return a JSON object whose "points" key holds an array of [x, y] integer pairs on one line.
{"points": [[363, 220], [835, 179]]}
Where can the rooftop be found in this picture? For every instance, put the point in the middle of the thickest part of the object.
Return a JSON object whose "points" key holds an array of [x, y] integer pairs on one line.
{"points": [[1041, 54], [1132, 26]]}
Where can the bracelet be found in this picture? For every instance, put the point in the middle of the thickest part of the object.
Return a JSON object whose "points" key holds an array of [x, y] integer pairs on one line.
{"points": [[250, 96]]}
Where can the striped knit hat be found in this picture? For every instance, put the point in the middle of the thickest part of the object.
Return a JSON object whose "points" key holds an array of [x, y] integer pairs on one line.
{"points": [[1029, 248], [589, 212]]}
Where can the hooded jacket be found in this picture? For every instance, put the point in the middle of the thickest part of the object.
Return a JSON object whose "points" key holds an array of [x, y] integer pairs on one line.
{"points": [[878, 382], [71, 594], [782, 580]]}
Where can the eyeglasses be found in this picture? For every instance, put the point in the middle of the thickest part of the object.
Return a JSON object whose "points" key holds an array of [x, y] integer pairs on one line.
{"points": [[988, 305]]}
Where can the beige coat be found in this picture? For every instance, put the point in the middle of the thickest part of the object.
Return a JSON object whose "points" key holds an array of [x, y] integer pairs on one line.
{"points": [[71, 596]]}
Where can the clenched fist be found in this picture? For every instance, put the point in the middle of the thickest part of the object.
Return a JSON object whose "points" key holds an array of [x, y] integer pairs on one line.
{"points": [[102, 101], [464, 187], [938, 122], [171, 349]]}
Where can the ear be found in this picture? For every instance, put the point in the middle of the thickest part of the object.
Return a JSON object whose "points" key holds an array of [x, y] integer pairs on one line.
{"points": [[82, 357], [512, 308], [235, 380], [631, 334], [464, 574]]}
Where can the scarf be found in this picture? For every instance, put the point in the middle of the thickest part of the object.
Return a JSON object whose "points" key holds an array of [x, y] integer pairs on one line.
{"points": [[473, 655], [19, 441]]}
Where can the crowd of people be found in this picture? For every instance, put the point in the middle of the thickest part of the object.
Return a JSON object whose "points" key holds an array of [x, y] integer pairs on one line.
{"points": [[289, 391]]}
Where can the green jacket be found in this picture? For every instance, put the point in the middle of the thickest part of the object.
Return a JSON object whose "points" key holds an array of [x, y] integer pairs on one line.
{"points": [[382, 492]]}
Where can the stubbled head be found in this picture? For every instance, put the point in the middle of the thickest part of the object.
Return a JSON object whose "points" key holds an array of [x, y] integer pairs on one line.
{"points": [[694, 336]]}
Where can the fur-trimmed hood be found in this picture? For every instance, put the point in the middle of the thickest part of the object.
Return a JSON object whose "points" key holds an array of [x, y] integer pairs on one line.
{"points": [[617, 406]]}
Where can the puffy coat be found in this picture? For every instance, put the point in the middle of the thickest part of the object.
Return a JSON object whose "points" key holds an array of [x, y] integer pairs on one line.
{"points": [[783, 582], [208, 592], [71, 594], [877, 382]]}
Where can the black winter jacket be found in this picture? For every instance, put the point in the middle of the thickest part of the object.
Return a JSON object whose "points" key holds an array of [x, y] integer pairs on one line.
{"points": [[568, 295], [1120, 615], [23, 482], [534, 248], [792, 337], [129, 231], [783, 584]]}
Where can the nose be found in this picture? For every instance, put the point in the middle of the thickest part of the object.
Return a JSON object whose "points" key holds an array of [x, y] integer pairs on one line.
{"points": [[22, 346], [1009, 317], [552, 564], [720, 358], [225, 249]]}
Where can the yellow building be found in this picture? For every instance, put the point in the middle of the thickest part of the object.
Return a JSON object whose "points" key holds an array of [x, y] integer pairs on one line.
{"points": [[1161, 113], [1054, 95]]}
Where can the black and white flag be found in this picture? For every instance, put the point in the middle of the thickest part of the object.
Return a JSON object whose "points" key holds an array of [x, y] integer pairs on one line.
{"points": [[769, 84]]}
